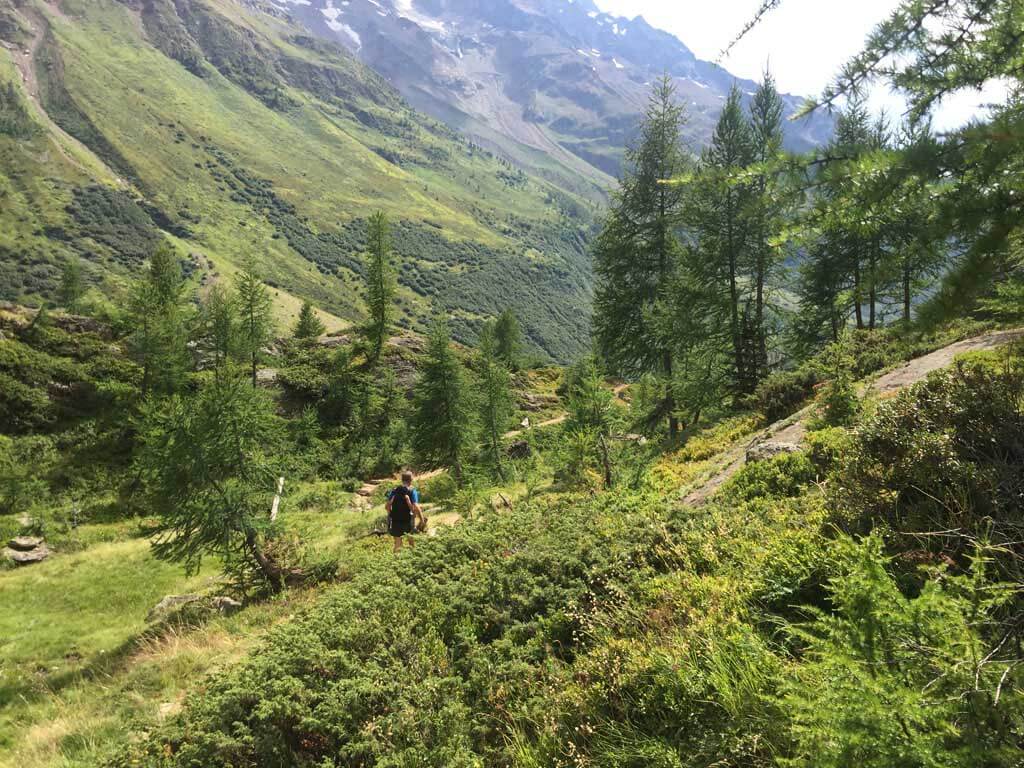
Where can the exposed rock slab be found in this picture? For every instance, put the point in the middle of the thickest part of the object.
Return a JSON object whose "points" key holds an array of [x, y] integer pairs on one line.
{"points": [[25, 543], [36, 555], [769, 450]]}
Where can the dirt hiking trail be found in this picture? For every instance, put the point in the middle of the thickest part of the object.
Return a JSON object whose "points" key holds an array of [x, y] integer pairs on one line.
{"points": [[793, 429]]}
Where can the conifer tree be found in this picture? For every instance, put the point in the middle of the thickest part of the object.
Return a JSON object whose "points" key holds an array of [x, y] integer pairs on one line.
{"points": [[442, 422], [381, 284], [720, 221], [72, 287], [508, 339], [768, 211], [308, 326], [218, 326], [495, 396], [159, 338], [208, 476], [256, 324], [638, 248]]}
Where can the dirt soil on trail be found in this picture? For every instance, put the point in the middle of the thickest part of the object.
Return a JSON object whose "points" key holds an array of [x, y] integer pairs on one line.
{"points": [[793, 429]]}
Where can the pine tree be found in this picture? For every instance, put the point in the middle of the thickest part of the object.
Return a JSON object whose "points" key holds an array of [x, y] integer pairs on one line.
{"points": [[508, 339], [442, 422], [256, 324], [381, 284], [72, 287], [159, 339], [495, 396], [308, 326], [637, 250]]}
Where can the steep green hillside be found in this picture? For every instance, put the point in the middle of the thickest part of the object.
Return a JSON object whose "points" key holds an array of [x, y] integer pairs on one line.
{"points": [[237, 134]]}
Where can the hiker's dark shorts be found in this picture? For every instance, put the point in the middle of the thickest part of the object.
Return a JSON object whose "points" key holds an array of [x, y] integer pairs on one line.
{"points": [[400, 524]]}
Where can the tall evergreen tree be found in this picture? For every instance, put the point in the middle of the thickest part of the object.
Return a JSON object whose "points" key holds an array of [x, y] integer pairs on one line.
{"points": [[218, 331], [720, 221], [494, 386], [256, 323], [381, 284], [768, 211], [159, 336], [508, 339], [442, 422], [72, 287], [638, 248], [836, 277], [308, 326]]}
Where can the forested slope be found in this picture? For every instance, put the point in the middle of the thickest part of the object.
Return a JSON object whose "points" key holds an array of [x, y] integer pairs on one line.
{"points": [[240, 135]]}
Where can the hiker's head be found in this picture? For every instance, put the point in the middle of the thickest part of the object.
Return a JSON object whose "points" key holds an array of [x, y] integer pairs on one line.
{"points": [[407, 478]]}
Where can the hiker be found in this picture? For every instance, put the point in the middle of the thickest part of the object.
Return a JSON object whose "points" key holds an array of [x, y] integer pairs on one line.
{"points": [[403, 504]]}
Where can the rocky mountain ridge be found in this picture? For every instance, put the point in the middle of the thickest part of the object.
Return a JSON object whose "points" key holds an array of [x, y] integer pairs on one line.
{"points": [[540, 80]]}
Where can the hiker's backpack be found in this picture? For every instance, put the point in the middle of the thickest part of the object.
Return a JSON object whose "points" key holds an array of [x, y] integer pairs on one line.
{"points": [[400, 498]]}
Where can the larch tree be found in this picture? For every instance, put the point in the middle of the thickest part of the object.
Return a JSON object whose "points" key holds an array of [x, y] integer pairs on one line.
{"points": [[719, 218], [443, 423], [769, 214], [638, 248], [256, 322], [159, 335], [218, 327], [72, 286], [207, 467], [496, 405], [381, 283], [508, 339]]}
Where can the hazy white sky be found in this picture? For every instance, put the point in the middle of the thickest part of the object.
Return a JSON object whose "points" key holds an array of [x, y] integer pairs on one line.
{"points": [[804, 41]]}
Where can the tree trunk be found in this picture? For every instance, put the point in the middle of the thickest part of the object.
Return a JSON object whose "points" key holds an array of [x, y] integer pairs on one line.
{"points": [[496, 447], [858, 296], [761, 368], [606, 460], [254, 379], [906, 293], [872, 290], [270, 570], [737, 341], [670, 401]]}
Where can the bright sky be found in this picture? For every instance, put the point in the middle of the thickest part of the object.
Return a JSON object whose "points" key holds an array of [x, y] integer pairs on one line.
{"points": [[804, 41]]}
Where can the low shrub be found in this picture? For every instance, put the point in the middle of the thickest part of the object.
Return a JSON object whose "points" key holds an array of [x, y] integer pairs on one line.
{"points": [[944, 455], [782, 393]]}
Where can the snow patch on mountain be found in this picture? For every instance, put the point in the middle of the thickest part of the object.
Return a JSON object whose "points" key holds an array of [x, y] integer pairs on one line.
{"points": [[405, 9]]}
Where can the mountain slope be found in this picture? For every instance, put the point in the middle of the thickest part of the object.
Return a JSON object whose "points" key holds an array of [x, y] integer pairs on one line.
{"points": [[534, 76], [230, 129]]}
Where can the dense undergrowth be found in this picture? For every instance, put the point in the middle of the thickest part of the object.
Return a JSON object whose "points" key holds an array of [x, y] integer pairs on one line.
{"points": [[836, 607]]}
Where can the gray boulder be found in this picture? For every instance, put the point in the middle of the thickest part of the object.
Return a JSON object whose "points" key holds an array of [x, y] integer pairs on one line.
{"points": [[225, 605], [769, 450], [36, 555], [170, 604], [25, 543]]}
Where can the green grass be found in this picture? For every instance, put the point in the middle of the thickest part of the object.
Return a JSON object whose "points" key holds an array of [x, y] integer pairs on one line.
{"points": [[81, 668]]}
